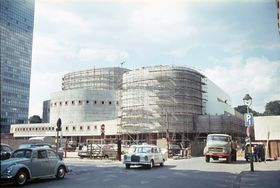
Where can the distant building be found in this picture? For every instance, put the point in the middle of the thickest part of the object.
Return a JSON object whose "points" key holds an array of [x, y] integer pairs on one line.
{"points": [[16, 24], [46, 111], [278, 14], [86, 96]]}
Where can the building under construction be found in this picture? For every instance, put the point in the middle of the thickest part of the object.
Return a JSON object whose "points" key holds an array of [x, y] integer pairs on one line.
{"points": [[177, 103]]}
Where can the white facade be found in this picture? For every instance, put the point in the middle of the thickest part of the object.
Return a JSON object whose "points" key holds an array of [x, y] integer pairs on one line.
{"points": [[218, 102], [68, 129], [265, 125], [83, 105]]}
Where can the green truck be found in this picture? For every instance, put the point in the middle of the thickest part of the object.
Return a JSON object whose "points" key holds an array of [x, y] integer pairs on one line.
{"points": [[220, 146]]}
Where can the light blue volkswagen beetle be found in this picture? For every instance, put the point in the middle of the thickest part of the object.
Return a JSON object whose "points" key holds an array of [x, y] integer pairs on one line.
{"points": [[30, 163]]}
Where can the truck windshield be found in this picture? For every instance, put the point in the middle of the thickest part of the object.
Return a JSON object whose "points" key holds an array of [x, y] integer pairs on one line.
{"points": [[218, 138]]}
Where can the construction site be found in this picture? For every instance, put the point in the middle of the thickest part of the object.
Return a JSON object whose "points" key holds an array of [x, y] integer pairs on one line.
{"points": [[178, 104], [171, 102]]}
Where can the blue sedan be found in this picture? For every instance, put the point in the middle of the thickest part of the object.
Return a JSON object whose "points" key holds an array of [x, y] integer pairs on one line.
{"points": [[30, 163]]}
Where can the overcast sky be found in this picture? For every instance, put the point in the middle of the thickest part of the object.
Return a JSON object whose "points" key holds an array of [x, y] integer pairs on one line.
{"points": [[235, 43]]}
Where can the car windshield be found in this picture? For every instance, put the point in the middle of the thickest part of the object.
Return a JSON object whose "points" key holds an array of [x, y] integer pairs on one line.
{"points": [[31, 145], [142, 150], [218, 138], [22, 153], [26, 145]]}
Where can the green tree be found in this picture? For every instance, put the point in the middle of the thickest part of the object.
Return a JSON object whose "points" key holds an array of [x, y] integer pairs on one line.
{"points": [[243, 109], [272, 108], [35, 119]]}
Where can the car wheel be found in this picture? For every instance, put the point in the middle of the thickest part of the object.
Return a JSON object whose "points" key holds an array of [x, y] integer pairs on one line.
{"points": [[162, 164], [60, 172], [21, 177], [127, 166], [207, 158], [151, 164]]}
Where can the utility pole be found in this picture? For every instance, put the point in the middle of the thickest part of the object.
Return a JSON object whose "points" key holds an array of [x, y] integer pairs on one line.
{"points": [[58, 128]]}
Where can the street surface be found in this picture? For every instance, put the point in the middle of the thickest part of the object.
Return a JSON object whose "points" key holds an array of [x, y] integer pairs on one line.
{"points": [[194, 172]]}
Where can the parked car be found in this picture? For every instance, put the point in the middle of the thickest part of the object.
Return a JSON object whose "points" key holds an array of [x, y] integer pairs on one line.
{"points": [[96, 150], [40, 144], [30, 163], [145, 155], [6, 151], [174, 149]]}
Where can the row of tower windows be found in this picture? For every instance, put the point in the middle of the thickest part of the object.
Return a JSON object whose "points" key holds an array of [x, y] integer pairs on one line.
{"points": [[52, 128], [80, 102], [35, 129]]}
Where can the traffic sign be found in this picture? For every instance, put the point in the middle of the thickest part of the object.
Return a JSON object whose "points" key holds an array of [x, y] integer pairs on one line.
{"points": [[248, 118]]}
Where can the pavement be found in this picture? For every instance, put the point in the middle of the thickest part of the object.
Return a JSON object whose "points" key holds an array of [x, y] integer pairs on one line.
{"points": [[265, 175]]}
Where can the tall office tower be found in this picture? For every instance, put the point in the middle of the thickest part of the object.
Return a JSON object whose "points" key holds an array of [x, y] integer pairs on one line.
{"points": [[16, 35], [278, 14]]}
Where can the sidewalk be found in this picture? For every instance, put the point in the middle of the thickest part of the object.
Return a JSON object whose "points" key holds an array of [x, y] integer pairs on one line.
{"points": [[265, 175]]}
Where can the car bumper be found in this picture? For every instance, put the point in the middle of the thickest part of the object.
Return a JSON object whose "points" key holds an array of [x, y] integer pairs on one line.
{"points": [[6, 179], [136, 163], [217, 154]]}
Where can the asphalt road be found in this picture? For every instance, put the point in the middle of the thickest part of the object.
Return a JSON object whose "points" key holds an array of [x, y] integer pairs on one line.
{"points": [[194, 172]]}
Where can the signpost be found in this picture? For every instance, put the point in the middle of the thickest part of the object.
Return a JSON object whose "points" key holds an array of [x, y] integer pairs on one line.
{"points": [[58, 125], [249, 123], [102, 136]]}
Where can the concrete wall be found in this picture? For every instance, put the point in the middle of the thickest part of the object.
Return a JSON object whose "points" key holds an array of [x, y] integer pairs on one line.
{"points": [[265, 125]]}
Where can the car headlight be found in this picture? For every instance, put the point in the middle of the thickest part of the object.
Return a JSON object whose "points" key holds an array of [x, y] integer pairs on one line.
{"points": [[146, 158], [9, 170]]}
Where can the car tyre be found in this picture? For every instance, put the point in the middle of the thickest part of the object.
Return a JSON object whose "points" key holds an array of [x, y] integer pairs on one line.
{"points": [[127, 166], [60, 172], [162, 164], [207, 158], [151, 164], [21, 177]]}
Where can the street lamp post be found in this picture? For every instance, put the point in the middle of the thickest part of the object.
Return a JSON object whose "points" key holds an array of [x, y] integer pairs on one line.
{"points": [[248, 101]]}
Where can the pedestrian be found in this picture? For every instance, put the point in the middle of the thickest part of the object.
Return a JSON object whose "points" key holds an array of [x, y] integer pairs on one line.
{"points": [[259, 152]]}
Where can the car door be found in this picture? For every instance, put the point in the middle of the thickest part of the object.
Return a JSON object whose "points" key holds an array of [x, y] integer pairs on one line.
{"points": [[53, 159], [156, 156], [40, 163]]}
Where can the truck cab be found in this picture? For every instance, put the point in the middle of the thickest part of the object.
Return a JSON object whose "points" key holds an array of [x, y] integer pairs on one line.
{"points": [[220, 146]]}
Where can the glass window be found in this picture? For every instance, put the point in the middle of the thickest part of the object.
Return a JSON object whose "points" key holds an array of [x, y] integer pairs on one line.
{"points": [[42, 154], [51, 154]]}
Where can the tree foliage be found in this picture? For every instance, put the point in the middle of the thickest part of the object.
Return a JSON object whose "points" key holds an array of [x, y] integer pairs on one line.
{"points": [[272, 108], [35, 119], [243, 110]]}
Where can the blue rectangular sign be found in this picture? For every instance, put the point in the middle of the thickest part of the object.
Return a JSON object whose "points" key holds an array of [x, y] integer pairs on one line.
{"points": [[249, 120]]}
